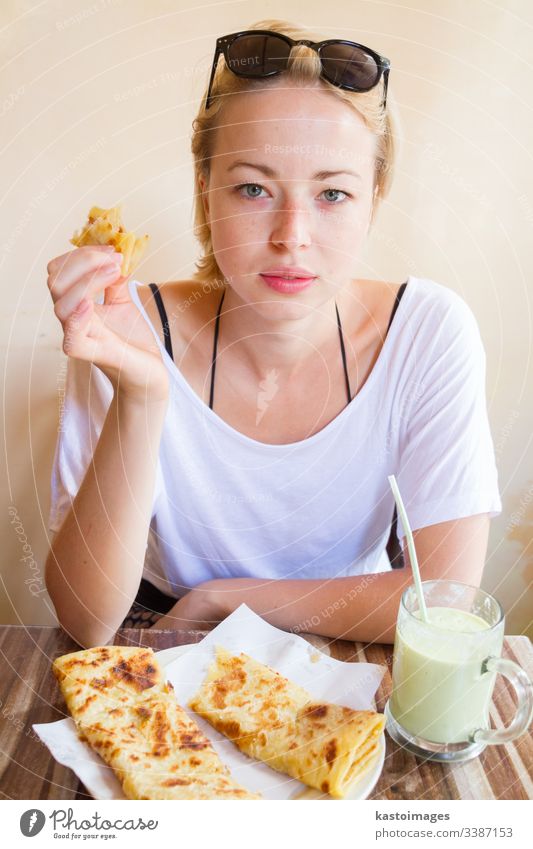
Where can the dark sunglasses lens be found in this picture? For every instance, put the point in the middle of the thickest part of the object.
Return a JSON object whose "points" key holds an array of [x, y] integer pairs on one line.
{"points": [[258, 55], [349, 66]]}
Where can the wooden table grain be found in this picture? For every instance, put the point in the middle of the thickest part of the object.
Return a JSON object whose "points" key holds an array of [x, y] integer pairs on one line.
{"points": [[29, 694]]}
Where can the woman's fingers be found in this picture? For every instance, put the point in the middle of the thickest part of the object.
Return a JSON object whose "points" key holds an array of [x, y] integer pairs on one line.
{"points": [[74, 279], [58, 262], [134, 370], [89, 285], [131, 368], [87, 337], [76, 328], [66, 270]]}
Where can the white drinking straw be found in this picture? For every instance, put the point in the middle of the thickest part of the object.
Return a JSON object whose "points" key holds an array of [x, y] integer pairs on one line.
{"points": [[410, 546]]}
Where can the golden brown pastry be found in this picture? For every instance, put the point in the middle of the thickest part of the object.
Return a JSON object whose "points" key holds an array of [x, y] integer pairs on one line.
{"points": [[270, 718], [129, 715], [104, 227]]}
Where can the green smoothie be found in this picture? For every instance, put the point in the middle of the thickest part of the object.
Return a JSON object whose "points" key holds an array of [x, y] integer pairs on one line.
{"points": [[439, 690]]}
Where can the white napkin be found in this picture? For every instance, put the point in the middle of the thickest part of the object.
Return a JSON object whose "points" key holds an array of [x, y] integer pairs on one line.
{"points": [[327, 679]]}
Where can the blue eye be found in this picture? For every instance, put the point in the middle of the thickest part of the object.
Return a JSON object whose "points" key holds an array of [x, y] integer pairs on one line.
{"points": [[336, 192], [248, 196], [245, 186]]}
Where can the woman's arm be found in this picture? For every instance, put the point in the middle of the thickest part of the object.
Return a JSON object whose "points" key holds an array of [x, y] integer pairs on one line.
{"points": [[96, 559], [363, 607]]}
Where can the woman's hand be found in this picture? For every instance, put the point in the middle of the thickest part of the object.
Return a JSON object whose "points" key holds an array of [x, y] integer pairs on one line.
{"points": [[198, 610], [73, 280], [209, 603]]}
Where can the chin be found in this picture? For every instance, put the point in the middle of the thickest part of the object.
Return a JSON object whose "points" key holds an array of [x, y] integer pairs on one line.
{"points": [[280, 308]]}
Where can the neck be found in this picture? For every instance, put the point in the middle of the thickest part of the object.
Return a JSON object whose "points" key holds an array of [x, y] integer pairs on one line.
{"points": [[265, 343]]}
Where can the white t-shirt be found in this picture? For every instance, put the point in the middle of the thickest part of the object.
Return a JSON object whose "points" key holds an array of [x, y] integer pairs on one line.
{"points": [[226, 505]]}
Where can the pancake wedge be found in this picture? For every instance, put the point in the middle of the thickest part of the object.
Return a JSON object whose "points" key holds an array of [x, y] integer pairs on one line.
{"points": [[103, 678], [129, 715], [104, 227], [268, 717]]}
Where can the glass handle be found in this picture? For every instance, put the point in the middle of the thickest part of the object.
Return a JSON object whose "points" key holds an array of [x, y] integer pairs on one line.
{"points": [[524, 692]]}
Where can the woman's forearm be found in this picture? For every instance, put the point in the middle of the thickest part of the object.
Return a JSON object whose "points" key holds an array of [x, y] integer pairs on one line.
{"points": [[95, 562], [361, 607]]}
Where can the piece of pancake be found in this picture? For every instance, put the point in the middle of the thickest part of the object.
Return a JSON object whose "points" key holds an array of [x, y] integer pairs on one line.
{"points": [[106, 677], [268, 717], [129, 715], [104, 227]]}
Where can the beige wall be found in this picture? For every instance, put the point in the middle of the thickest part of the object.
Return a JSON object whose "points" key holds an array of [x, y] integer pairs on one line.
{"points": [[97, 98]]}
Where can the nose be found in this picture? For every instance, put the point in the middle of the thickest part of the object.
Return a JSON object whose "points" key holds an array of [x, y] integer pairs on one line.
{"points": [[292, 226]]}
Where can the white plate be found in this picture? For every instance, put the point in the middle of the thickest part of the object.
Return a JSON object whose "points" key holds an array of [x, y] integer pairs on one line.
{"points": [[361, 789]]}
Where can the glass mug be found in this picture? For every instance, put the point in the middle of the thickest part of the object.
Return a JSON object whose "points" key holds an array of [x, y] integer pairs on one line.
{"points": [[444, 670]]}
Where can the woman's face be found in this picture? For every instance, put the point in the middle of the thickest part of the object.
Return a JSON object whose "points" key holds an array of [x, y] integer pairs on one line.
{"points": [[279, 210]]}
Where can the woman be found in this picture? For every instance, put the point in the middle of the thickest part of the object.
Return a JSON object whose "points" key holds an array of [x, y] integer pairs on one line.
{"points": [[234, 443]]}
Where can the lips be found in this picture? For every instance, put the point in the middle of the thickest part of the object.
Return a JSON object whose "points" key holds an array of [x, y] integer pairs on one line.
{"points": [[289, 273], [287, 285]]}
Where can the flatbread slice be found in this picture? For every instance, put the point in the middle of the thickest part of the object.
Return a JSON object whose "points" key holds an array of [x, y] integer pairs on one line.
{"points": [[158, 752], [130, 716], [104, 227], [106, 677], [270, 718]]}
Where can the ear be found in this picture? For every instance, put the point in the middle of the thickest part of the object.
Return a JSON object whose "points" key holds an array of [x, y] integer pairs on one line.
{"points": [[205, 197]]}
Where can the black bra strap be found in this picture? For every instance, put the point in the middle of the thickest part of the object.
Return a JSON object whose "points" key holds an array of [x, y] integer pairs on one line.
{"points": [[399, 294], [214, 358], [164, 319], [343, 355], [341, 339]]}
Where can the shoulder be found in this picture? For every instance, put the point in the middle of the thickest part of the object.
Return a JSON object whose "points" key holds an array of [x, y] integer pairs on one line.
{"points": [[181, 292], [440, 311], [443, 342], [422, 299], [436, 296], [181, 298], [189, 306], [426, 308]]}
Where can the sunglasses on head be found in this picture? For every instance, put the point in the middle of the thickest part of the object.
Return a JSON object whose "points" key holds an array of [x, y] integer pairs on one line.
{"points": [[265, 53]]}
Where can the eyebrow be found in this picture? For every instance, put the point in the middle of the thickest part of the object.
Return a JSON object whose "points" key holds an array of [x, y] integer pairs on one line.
{"points": [[269, 172]]}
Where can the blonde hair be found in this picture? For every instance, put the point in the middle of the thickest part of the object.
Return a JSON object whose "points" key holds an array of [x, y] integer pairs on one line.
{"points": [[303, 67]]}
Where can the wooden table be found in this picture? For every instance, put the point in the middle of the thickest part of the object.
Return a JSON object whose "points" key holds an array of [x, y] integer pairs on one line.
{"points": [[29, 694]]}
